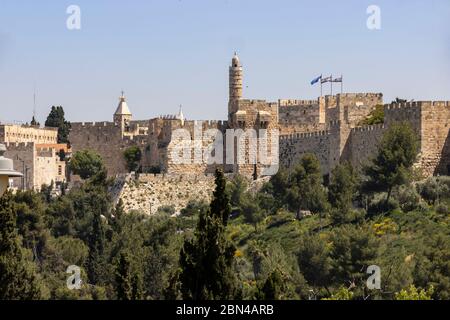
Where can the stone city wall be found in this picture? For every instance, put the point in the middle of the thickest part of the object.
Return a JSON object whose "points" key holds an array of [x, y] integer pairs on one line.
{"points": [[22, 133], [293, 147]]}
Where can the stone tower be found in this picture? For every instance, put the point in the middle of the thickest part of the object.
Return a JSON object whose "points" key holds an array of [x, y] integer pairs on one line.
{"points": [[122, 116], [235, 83], [250, 121]]}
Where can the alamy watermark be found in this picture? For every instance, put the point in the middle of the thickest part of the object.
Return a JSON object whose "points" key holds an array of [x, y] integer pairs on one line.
{"points": [[374, 19], [74, 280], [73, 22], [374, 280], [242, 147]]}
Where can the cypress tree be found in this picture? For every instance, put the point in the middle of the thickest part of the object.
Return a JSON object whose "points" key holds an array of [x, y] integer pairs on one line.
{"points": [[207, 261], [95, 261], [271, 290], [56, 119], [18, 279], [123, 278], [129, 283], [34, 122], [220, 205]]}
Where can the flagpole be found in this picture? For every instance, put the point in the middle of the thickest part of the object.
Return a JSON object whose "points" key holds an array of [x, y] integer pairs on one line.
{"points": [[342, 84], [331, 82]]}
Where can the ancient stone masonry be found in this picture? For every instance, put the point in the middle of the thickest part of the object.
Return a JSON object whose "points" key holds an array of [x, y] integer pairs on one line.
{"points": [[24, 133], [40, 164], [345, 141], [166, 139], [301, 116], [35, 153], [294, 146], [150, 192], [111, 139], [257, 135], [328, 127]]}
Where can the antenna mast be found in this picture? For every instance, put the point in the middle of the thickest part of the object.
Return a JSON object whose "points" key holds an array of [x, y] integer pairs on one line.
{"points": [[34, 101]]}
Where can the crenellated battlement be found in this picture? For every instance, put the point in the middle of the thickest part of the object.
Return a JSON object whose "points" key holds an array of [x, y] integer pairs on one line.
{"points": [[174, 177], [359, 95], [295, 103], [334, 123], [303, 135], [417, 104], [368, 128], [19, 145], [252, 101], [168, 117], [101, 124]]}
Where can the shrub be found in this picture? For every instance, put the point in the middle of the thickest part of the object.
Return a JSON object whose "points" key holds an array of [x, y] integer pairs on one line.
{"points": [[434, 188], [442, 209], [86, 163], [133, 156], [376, 116], [408, 198], [166, 210], [378, 204], [413, 293]]}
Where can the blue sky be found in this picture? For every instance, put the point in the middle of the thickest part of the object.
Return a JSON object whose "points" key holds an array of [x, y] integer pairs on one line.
{"points": [[164, 53]]}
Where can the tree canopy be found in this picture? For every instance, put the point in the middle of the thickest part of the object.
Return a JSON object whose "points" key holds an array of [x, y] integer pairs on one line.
{"points": [[392, 165], [56, 119], [86, 163]]}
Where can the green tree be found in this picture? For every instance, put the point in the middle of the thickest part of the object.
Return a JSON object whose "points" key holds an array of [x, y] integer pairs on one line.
{"points": [[29, 209], [376, 116], [433, 266], [314, 261], [342, 294], [34, 122], [128, 281], [272, 288], [133, 156], [237, 188], [96, 258], [86, 163], [392, 165], [252, 212], [56, 119], [119, 213], [412, 293], [305, 190], [342, 191], [434, 188], [271, 257], [18, 278], [277, 188], [193, 208], [207, 261], [354, 249], [123, 278]]}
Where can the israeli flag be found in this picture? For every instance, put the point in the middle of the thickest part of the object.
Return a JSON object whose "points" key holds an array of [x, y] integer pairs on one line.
{"points": [[316, 80]]}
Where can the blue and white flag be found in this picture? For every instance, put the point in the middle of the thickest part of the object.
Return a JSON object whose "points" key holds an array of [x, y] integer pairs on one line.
{"points": [[337, 79], [316, 80], [327, 79]]}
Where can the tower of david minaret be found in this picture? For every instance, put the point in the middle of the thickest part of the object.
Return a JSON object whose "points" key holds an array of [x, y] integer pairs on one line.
{"points": [[235, 83], [248, 118]]}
